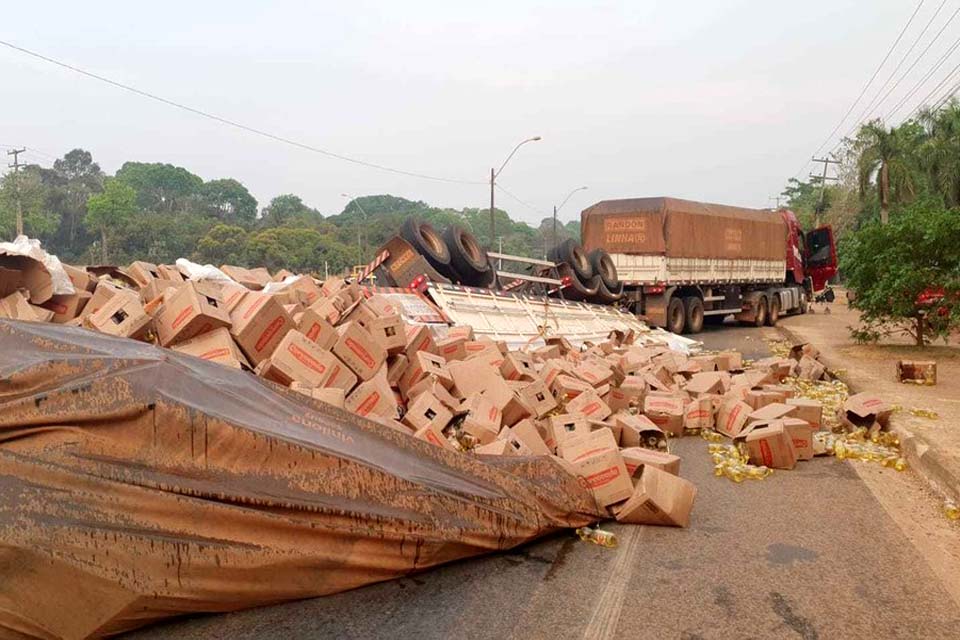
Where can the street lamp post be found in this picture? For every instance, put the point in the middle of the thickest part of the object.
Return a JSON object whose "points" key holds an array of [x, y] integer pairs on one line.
{"points": [[494, 174], [359, 226], [556, 208]]}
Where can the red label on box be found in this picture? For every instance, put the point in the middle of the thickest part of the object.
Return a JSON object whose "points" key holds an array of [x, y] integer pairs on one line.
{"points": [[369, 403], [591, 408], [183, 315], [314, 331], [601, 478], [305, 358], [333, 375], [360, 351], [765, 454], [732, 417], [268, 333], [215, 353]]}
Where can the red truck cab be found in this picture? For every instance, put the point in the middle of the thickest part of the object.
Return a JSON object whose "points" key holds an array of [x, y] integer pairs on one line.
{"points": [[812, 255]]}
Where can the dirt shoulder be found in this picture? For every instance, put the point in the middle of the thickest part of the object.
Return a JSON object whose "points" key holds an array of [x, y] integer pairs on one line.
{"points": [[931, 446]]}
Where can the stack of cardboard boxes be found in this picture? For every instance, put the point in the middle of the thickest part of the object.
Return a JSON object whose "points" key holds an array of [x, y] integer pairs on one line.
{"points": [[603, 411]]}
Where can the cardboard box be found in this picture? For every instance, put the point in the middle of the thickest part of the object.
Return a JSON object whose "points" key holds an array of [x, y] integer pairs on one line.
{"points": [[259, 323], [396, 366], [317, 329], [373, 397], [16, 307], [426, 410], [917, 371], [435, 437], [704, 383], [637, 457], [45, 315], [580, 446], [104, 292], [639, 431], [547, 352], [529, 439], [143, 272], [156, 288], [605, 475], [593, 373], [464, 331], [797, 351], [538, 398], [121, 316], [563, 426], [246, 277], [550, 370], [330, 395], [666, 412], [483, 420], [297, 358], [630, 393], [808, 410], [215, 346], [470, 377], [659, 498], [66, 307], [170, 272], [729, 361], [304, 290], [357, 348], [490, 355], [518, 366], [732, 417], [194, 308], [810, 369], [432, 385], [566, 388], [423, 364], [771, 411], [330, 309], [418, 338], [389, 332], [771, 446], [865, 410], [698, 413], [801, 434], [590, 405], [80, 278], [452, 348], [232, 295]]}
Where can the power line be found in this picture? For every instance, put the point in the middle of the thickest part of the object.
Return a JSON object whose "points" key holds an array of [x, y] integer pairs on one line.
{"points": [[874, 102], [910, 68], [923, 80], [523, 202], [929, 95], [865, 87], [232, 123]]}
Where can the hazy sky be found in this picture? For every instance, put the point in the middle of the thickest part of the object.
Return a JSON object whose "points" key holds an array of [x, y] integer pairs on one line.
{"points": [[712, 100]]}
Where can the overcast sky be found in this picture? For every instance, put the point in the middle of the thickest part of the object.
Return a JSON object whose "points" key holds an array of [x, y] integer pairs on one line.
{"points": [[711, 100]]}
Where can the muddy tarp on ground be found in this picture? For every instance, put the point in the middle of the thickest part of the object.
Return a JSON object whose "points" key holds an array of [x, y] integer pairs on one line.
{"points": [[137, 483]]}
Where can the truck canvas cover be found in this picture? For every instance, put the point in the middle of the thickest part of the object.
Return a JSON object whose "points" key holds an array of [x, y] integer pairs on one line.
{"points": [[683, 229], [138, 483]]}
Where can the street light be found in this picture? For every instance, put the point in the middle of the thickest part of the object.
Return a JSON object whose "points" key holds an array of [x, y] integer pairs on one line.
{"points": [[493, 178], [556, 208], [359, 226]]}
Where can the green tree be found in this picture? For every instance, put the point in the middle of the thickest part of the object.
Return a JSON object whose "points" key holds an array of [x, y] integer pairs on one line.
{"points": [[887, 156], [889, 267], [223, 244], [288, 209], [28, 188], [109, 210], [160, 187], [940, 151], [228, 200], [75, 178]]}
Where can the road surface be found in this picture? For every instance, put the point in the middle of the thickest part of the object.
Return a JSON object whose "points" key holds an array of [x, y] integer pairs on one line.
{"points": [[831, 550]]}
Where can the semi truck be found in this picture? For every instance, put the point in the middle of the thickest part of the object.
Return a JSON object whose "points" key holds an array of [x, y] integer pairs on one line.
{"points": [[684, 263]]}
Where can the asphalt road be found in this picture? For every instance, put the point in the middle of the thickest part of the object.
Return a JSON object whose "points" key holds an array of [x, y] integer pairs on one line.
{"points": [[833, 549]]}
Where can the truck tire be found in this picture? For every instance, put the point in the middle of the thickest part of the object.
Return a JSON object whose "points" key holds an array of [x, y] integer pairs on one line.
{"points": [[428, 243], [490, 280], [676, 318], [804, 302], [761, 318], [605, 295], [693, 314], [603, 266], [571, 252], [773, 313], [467, 258]]}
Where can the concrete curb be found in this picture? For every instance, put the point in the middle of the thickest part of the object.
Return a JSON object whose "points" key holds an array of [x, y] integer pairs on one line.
{"points": [[920, 455]]}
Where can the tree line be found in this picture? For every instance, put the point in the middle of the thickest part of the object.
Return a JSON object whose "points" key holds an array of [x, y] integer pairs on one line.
{"points": [[160, 212], [895, 207]]}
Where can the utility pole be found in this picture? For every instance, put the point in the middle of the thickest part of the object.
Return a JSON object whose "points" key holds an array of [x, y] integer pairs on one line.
{"points": [[777, 198], [493, 224], [16, 186], [554, 227], [823, 184]]}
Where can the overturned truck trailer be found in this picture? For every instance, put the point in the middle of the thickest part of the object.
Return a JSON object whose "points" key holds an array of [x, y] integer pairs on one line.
{"points": [[146, 484]]}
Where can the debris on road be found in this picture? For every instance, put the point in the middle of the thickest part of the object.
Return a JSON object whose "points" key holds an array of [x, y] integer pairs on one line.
{"points": [[598, 536], [923, 372]]}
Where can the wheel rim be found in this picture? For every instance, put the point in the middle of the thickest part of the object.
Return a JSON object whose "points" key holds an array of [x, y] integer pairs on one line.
{"points": [[609, 271], [581, 259], [471, 249], [432, 240], [676, 319]]}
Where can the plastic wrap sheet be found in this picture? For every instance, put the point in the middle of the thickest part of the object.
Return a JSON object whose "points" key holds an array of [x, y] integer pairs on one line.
{"points": [[137, 483]]}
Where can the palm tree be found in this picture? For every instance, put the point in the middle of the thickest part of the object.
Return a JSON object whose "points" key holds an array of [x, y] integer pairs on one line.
{"points": [[884, 156], [941, 150]]}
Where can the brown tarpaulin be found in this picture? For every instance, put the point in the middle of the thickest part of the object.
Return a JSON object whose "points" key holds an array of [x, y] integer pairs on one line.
{"points": [[137, 483], [683, 229]]}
